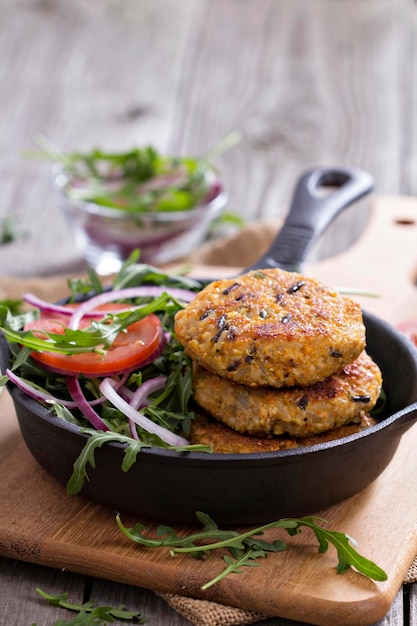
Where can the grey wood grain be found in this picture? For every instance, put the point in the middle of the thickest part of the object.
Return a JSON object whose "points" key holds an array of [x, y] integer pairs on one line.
{"points": [[20, 604], [306, 82], [305, 85], [82, 74]]}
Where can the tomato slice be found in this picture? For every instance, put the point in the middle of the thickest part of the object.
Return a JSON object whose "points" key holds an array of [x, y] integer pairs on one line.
{"points": [[130, 349], [409, 328]]}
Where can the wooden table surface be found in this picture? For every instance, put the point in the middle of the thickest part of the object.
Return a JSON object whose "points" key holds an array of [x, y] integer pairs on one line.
{"points": [[306, 83]]}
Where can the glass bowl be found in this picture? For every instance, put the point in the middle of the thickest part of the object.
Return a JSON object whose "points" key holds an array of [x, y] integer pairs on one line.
{"points": [[106, 236]]}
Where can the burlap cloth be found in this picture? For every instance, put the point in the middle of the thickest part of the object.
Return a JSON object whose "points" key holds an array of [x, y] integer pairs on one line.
{"points": [[238, 250]]}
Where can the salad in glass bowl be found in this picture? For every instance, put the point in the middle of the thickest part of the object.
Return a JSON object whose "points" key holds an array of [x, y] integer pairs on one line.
{"points": [[116, 202]]}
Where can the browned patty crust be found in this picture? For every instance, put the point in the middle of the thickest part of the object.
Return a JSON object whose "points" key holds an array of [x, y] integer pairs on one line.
{"points": [[225, 440], [271, 328], [298, 411]]}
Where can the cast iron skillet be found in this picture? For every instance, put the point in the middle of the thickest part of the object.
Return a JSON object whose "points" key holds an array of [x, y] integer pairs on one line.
{"points": [[248, 488]]}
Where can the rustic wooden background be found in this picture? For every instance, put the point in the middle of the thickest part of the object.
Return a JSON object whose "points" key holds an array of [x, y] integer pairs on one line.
{"points": [[306, 82]]}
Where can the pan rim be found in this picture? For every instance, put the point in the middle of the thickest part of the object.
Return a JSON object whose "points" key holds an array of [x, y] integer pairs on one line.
{"points": [[213, 457]]}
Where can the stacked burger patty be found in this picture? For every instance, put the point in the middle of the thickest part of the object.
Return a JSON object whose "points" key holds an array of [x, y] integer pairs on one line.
{"points": [[279, 361]]}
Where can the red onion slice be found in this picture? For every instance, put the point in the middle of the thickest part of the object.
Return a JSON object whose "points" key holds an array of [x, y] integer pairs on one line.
{"points": [[133, 431], [52, 307], [37, 394], [83, 405], [42, 396], [141, 394], [86, 307], [107, 389], [48, 307]]}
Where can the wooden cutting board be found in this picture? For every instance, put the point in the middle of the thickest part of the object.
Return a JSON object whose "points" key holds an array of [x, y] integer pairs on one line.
{"points": [[40, 524]]}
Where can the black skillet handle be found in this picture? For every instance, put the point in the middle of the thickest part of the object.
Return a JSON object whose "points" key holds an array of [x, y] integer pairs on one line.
{"points": [[312, 212]]}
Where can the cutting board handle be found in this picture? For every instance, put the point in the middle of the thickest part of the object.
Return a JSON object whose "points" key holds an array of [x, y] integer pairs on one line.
{"points": [[319, 196]]}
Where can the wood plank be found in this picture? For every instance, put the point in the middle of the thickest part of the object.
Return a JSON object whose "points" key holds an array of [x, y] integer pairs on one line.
{"points": [[298, 78], [83, 74], [19, 601], [408, 121], [412, 591]]}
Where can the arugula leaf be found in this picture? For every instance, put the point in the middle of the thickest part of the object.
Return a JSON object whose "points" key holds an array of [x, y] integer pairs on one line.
{"points": [[244, 548], [89, 613], [133, 273], [14, 305], [347, 555], [234, 565], [97, 439], [83, 287], [133, 447], [63, 413]]}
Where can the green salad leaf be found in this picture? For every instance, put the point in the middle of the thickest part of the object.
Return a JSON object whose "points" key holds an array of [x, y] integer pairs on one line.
{"points": [[244, 549], [89, 613], [133, 447]]}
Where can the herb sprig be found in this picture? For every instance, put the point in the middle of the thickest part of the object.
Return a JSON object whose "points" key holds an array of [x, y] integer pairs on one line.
{"points": [[244, 549], [132, 449], [89, 613]]}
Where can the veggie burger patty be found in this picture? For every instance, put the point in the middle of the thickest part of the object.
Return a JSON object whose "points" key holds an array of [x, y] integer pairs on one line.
{"points": [[340, 399], [271, 328], [225, 440], [279, 362]]}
